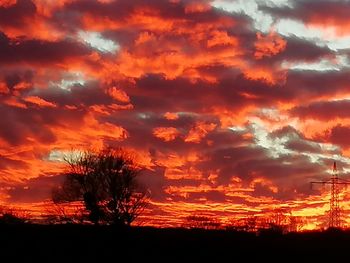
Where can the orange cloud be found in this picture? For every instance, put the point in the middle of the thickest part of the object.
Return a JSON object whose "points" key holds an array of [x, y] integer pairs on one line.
{"points": [[268, 45], [119, 95], [3, 88], [171, 116], [199, 131], [194, 7], [39, 101], [8, 3], [166, 133], [266, 74], [14, 102], [221, 38]]}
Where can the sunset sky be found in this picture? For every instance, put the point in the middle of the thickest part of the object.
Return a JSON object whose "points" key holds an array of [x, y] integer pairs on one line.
{"points": [[232, 107]]}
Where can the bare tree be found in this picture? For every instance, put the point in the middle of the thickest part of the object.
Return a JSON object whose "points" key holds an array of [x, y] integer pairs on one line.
{"points": [[296, 223], [248, 224], [72, 213], [106, 182], [124, 199], [82, 183], [282, 220]]}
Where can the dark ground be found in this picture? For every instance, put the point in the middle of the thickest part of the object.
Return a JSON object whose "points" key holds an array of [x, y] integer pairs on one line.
{"points": [[77, 243]]}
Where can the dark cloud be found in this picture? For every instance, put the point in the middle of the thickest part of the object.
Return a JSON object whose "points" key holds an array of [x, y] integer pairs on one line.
{"points": [[296, 141], [228, 91], [122, 10], [14, 77], [6, 163], [301, 51], [309, 84], [86, 95], [323, 110], [20, 124], [34, 190], [38, 51], [321, 11], [214, 196], [18, 14], [339, 135]]}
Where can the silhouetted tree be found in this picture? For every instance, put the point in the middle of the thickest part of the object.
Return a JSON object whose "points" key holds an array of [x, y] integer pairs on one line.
{"points": [[282, 220], [106, 182], [296, 223]]}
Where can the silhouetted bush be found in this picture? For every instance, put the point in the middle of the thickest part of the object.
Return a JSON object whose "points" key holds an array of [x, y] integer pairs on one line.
{"points": [[11, 219], [11, 216]]}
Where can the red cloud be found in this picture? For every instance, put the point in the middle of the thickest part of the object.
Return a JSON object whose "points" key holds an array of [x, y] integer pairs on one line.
{"points": [[202, 95], [166, 133], [39, 101], [267, 46]]}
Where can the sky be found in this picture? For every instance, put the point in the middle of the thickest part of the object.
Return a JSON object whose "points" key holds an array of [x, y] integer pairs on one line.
{"points": [[232, 107]]}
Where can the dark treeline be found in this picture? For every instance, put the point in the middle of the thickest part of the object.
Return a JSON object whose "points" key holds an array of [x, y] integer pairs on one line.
{"points": [[89, 243]]}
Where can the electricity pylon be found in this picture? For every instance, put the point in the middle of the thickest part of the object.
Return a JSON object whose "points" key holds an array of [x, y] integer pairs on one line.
{"points": [[334, 210]]}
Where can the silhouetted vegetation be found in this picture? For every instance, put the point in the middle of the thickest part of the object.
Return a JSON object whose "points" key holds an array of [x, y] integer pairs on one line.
{"points": [[65, 214], [11, 216], [276, 221], [106, 183], [86, 243], [201, 222]]}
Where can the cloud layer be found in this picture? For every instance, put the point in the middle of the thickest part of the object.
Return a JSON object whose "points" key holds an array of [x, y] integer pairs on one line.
{"points": [[233, 107]]}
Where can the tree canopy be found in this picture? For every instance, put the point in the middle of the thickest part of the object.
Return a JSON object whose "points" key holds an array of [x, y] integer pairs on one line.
{"points": [[106, 182]]}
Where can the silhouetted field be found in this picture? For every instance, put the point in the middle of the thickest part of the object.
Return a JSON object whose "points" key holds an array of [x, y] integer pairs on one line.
{"points": [[79, 243]]}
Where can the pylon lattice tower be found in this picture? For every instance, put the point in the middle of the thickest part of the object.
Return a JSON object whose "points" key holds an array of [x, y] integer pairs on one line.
{"points": [[334, 216], [334, 210]]}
